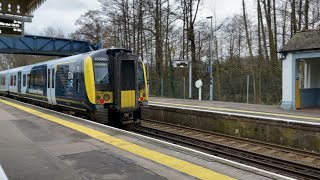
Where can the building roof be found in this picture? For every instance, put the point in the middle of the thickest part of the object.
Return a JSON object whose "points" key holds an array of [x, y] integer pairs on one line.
{"points": [[33, 5], [20, 7], [303, 41]]}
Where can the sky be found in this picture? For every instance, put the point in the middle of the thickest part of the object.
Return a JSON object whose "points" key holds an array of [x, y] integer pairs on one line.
{"points": [[63, 13]]}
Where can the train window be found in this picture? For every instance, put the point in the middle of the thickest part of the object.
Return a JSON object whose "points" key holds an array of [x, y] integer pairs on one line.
{"points": [[28, 79], [11, 80], [3, 81], [48, 78], [32, 78], [128, 75], [53, 77], [101, 73], [15, 80], [24, 80], [39, 77], [78, 85]]}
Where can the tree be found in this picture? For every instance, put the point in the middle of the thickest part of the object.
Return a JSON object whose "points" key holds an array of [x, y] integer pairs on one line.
{"points": [[306, 14], [249, 47], [164, 30], [92, 28], [53, 32]]}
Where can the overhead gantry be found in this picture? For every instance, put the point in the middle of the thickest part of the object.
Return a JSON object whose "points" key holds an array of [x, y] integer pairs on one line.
{"points": [[13, 15]]}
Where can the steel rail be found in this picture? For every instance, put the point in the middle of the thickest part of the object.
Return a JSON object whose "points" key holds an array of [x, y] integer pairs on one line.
{"points": [[283, 160]]}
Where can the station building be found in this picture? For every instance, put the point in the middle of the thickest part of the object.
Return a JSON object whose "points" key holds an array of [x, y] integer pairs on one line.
{"points": [[301, 71]]}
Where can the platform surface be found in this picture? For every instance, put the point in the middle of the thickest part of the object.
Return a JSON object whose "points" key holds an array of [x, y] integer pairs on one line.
{"points": [[39, 144], [266, 111]]}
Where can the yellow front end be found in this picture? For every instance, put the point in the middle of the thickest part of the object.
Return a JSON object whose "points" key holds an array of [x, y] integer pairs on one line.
{"points": [[144, 96], [128, 99]]}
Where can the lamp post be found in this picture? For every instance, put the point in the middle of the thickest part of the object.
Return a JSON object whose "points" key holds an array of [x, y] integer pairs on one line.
{"points": [[211, 60], [149, 60], [190, 79]]}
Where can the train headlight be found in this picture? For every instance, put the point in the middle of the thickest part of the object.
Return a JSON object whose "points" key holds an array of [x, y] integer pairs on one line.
{"points": [[98, 98], [106, 97]]}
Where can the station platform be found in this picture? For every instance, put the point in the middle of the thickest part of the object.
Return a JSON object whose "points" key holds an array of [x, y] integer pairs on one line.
{"points": [[297, 129], [272, 112], [37, 143]]}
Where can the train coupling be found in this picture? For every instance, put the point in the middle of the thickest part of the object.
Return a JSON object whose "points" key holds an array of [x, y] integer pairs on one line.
{"points": [[127, 118]]}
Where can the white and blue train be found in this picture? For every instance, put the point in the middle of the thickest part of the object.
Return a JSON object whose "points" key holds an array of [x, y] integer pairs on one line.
{"points": [[108, 85]]}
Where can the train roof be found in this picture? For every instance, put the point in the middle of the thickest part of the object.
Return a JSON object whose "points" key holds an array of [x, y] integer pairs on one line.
{"points": [[64, 59]]}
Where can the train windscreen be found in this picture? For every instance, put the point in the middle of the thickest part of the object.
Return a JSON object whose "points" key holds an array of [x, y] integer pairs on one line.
{"points": [[101, 73], [140, 76]]}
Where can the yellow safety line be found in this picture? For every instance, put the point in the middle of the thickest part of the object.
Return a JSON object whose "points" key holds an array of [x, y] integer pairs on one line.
{"points": [[172, 162], [239, 111]]}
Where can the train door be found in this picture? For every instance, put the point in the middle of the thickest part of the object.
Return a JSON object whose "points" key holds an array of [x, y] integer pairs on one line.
{"points": [[24, 83], [51, 85], [7, 81], [125, 70], [19, 82]]}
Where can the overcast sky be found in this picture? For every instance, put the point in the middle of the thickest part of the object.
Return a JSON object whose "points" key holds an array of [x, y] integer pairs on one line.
{"points": [[64, 13]]}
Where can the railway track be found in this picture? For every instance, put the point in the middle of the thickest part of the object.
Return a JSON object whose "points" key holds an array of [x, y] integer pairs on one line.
{"points": [[291, 162]]}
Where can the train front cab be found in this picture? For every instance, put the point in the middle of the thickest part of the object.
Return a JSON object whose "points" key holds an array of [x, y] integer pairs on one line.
{"points": [[125, 86], [111, 85]]}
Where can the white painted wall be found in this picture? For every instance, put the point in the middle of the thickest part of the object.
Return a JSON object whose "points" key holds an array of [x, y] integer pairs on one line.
{"points": [[288, 82]]}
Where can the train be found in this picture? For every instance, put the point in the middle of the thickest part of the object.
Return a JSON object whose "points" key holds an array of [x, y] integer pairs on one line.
{"points": [[108, 86]]}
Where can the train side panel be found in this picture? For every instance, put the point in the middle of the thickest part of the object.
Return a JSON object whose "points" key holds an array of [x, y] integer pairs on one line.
{"points": [[3, 82], [70, 89], [13, 82], [36, 87]]}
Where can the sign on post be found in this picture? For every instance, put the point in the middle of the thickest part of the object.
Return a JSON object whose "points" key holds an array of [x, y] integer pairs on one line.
{"points": [[180, 63], [209, 69], [11, 27], [199, 85]]}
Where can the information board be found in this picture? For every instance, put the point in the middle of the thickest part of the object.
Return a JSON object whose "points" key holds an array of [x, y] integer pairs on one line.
{"points": [[11, 27]]}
